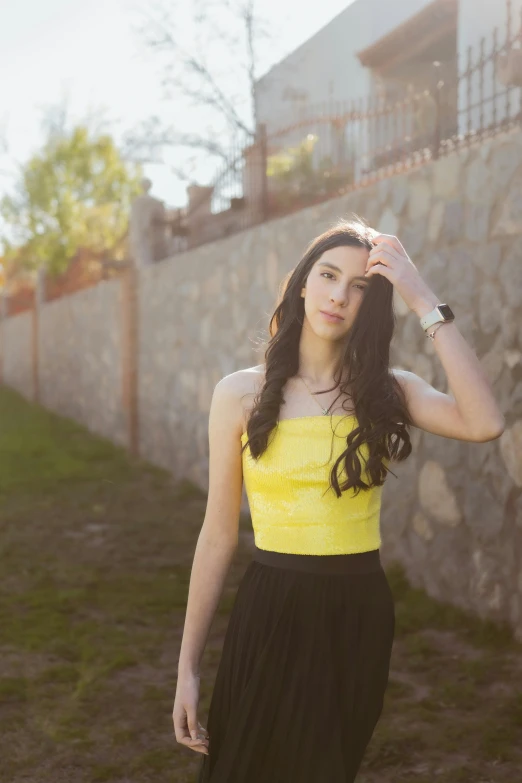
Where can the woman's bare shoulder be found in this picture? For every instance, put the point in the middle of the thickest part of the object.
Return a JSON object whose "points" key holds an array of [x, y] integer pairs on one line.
{"points": [[244, 385], [247, 380]]}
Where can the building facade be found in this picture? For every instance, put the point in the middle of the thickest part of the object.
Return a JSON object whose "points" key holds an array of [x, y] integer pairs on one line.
{"points": [[381, 49]]}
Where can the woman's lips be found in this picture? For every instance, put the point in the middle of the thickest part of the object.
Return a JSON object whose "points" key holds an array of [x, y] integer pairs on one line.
{"points": [[332, 318]]}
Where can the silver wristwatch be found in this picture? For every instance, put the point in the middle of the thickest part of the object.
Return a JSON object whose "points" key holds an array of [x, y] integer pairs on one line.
{"points": [[441, 313]]}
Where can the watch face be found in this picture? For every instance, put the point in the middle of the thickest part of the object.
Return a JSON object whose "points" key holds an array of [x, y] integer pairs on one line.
{"points": [[446, 312]]}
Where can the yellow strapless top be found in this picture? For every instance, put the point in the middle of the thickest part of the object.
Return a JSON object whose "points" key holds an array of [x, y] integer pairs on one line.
{"points": [[290, 510]]}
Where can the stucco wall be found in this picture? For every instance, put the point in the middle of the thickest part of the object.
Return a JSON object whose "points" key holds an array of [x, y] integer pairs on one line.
{"points": [[80, 348], [326, 66]]}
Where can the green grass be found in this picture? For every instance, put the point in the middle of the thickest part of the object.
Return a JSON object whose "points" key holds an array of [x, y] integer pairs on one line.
{"points": [[40, 454], [96, 550]]}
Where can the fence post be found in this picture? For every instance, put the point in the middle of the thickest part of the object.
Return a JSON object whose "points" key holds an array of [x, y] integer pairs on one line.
{"points": [[39, 299], [263, 150], [4, 302], [438, 84], [129, 325]]}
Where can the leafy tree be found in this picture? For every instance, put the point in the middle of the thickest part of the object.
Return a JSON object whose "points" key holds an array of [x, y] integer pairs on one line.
{"points": [[76, 192]]}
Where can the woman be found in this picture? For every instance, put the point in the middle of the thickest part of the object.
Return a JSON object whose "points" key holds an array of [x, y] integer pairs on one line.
{"points": [[305, 659]]}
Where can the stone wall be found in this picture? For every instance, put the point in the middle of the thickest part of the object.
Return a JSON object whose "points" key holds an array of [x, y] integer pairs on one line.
{"points": [[199, 315], [17, 357], [453, 515], [80, 352]]}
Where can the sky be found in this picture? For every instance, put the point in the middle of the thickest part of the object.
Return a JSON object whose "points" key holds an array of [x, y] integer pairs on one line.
{"points": [[91, 55]]}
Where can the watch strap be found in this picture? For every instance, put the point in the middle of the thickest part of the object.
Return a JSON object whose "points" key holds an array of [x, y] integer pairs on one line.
{"points": [[433, 317]]}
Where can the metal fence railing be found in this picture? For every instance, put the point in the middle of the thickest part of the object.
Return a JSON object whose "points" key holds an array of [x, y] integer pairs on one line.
{"points": [[342, 146]]}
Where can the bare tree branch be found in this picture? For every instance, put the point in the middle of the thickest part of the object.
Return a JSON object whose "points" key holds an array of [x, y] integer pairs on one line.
{"points": [[143, 146], [251, 62], [209, 65], [207, 92]]}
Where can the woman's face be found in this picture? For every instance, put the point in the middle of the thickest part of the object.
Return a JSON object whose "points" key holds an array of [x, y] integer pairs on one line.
{"points": [[335, 284]]}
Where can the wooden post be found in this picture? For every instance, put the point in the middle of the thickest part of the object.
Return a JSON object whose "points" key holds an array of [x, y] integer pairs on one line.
{"points": [[3, 316], [263, 149], [129, 324], [39, 300]]}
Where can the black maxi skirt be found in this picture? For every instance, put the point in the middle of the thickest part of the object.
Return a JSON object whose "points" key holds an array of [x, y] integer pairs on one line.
{"points": [[304, 668]]}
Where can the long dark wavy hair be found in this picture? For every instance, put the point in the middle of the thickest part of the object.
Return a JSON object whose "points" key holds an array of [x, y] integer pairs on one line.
{"points": [[378, 400]]}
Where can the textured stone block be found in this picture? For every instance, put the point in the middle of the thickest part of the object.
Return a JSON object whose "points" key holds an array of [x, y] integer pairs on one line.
{"points": [[511, 450], [453, 223], [447, 177], [510, 275], [478, 182], [436, 496], [510, 220]]}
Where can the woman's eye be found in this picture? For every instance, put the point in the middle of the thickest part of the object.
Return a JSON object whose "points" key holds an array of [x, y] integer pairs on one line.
{"points": [[357, 285]]}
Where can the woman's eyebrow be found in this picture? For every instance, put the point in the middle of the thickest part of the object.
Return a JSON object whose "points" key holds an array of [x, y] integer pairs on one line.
{"points": [[331, 266], [336, 268]]}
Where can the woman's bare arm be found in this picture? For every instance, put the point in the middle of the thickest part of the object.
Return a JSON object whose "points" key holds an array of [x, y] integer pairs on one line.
{"points": [[218, 538]]}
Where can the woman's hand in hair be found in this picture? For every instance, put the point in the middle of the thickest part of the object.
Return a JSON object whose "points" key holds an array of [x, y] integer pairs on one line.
{"points": [[389, 259]]}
